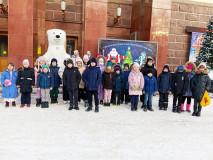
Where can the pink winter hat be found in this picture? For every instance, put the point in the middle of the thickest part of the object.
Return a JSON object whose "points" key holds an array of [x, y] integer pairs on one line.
{"points": [[190, 67], [26, 62], [85, 57]]}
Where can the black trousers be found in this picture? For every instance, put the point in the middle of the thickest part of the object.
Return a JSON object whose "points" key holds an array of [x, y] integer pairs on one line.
{"points": [[65, 94], [73, 94], [197, 106], [163, 97], [25, 98], [125, 95], [188, 99], [90, 93], [177, 97], [118, 96], [82, 94]]}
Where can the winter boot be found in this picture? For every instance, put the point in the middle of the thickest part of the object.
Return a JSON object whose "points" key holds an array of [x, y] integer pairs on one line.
{"points": [[13, 103], [89, 108], [38, 102], [174, 109], [28, 105], [199, 111], [47, 105], [52, 100], [6, 104], [126, 102], [108, 104], [122, 102], [86, 104], [182, 108], [76, 106], [145, 108], [136, 106], [43, 105], [150, 108], [105, 104], [101, 102], [96, 109], [71, 107], [188, 108], [22, 105], [132, 106], [195, 110], [161, 105], [165, 106], [178, 109], [56, 100]]}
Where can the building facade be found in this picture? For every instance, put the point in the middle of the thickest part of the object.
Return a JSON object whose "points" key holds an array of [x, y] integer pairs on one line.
{"points": [[23, 31]]}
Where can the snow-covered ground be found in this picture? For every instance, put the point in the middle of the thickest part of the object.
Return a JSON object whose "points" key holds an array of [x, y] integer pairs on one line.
{"points": [[114, 133]]}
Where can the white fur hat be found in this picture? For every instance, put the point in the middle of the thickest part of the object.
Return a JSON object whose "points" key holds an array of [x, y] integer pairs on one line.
{"points": [[136, 64], [67, 56], [76, 51], [202, 64], [26, 61], [85, 57]]}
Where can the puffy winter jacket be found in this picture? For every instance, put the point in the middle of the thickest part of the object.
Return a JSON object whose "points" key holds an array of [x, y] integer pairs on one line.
{"points": [[164, 82], [150, 84], [199, 83], [71, 78], [119, 82], [92, 78], [126, 75], [54, 71], [108, 79], [180, 83], [9, 91], [146, 68], [26, 79], [45, 80]]}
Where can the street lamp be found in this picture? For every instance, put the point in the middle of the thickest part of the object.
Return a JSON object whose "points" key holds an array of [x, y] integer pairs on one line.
{"points": [[3, 9], [117, 19], [63, 8]]}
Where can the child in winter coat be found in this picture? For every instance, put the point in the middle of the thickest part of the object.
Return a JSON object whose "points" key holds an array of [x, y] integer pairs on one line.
{"points": [[113, 61], [136, 83], [75, 57], [26, 81], [71, 79], [38, 69], [108, 81], [54, 71], [190, 69], [150, 87], [180, 84], [199, 83], [164, 87], [125, 90], [45, 84], [81, 90], [117, 88], [8, 82], [101, 60], [92, 79]]}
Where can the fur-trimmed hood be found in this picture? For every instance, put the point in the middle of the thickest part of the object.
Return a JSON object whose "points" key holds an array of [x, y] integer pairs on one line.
{"points": [[99, 57], [206, 71], [189, 63], [109, 71]]}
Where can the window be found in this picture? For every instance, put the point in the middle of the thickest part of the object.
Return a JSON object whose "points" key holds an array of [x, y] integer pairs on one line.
{"points": [[3, 51], [71, 45]]}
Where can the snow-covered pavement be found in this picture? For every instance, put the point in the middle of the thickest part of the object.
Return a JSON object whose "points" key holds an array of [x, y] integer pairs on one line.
{"points": [[115, 133]]}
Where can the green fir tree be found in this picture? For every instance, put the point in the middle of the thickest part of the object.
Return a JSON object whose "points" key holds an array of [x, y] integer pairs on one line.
{"points": [[128, 58]]}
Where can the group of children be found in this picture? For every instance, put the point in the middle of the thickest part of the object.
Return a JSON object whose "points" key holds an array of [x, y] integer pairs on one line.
{"points": [[107, 82]]}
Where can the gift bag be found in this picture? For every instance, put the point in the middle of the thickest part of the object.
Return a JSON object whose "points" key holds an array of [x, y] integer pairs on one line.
{"points": [[8, 82], [205, 101]]}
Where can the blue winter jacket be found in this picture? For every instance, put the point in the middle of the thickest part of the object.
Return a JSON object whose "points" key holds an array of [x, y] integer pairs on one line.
{"points": [[57, 79], [45, 80], [119, 81], [126, 75], [150, 84], [10, 91], [188, 91], [92, 78], [164, 82]]}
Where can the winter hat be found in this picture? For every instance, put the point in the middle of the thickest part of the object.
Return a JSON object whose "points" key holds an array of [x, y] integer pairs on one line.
{"points": [[202, 64], [85, 57], [113, 58], [79, 60], [69, 61], [54, 60], [93, 60], [166, 66], [67, 56], [117, 68], [149, 59], [190, 67], [42, 58], [149, 71], [109, 64], [76, 51], [88, 53], [136, 64], [101, 61], [180, 68], [126, 65], [26, 61], [45, 66]]}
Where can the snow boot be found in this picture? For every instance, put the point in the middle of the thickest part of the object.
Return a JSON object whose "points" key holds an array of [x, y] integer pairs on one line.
{"points": [[46, 104], [174, 109], [108, 104], [22, 105], [136, 106], [165, 106], [6, 104], [71, 107], [43, 105], [195, 110], [28, 105], [132, 106], [89, 108], [160, 105], [105, 104], [52, 100], [178, 109], [101, 102], [145, 108], [96, 109], [13, 103], [199, 111], [182, 108], [38, 102], [76, 106], [86, 104], [188, 108], [150, 108]]}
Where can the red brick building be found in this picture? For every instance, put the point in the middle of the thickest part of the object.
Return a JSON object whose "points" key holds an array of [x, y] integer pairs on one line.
{"points": [[23, 30]]}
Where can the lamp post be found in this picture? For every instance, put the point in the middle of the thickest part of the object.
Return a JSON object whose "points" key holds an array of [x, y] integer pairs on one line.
{"points": [[63, 8]]}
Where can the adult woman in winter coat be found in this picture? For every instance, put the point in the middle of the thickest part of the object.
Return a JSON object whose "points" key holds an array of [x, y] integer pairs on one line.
{"points": [[199, 83], [8, 82], [26, 81], [136, 83]]}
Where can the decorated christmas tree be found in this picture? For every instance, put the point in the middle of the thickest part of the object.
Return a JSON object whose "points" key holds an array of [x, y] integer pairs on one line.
{"points": [[128, 58], [206, 51]]}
